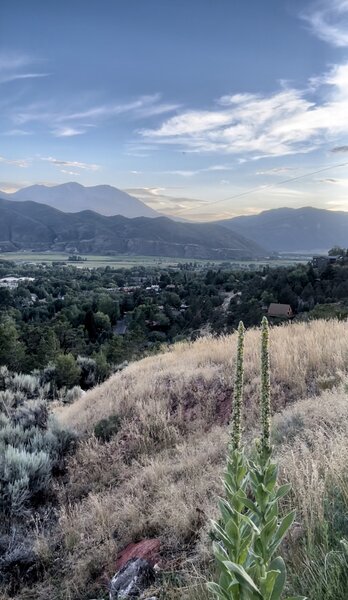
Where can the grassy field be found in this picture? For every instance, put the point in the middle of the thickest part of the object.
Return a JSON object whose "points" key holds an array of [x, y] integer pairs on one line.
{"points": [[127, 262], [159, 475]]}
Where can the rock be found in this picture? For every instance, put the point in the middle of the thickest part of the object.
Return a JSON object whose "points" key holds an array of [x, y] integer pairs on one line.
{"points": [[147, 549], [134, 577]]}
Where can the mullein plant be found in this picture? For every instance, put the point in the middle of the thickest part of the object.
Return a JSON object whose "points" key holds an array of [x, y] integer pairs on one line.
{"points": [[250, 529]]}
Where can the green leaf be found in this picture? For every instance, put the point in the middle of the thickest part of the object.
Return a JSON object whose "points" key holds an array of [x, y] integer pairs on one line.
{"points": [[283, 490], [268, 530], [296, 598], [251, 523], [249, 504], [243, 578], [225, 509], [232, 530], [219, 552], [267, 583], [218, 591], [279, 565], [285, 524]]}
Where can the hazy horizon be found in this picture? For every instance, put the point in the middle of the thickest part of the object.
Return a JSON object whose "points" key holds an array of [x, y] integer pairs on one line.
{"points": [[201, 110]]}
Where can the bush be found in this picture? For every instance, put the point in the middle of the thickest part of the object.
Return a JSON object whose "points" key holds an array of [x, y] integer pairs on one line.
{"points": [[67, 371], [23, 476], [71, 395], [32, 445], [107, 428]]}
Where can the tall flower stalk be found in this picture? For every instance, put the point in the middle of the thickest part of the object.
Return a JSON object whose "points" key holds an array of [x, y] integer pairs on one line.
{"points": [[250, 529], [238, 390], [265, 389]]}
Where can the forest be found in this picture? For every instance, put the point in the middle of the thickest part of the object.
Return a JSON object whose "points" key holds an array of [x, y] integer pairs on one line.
{"points": [[74, 326]]}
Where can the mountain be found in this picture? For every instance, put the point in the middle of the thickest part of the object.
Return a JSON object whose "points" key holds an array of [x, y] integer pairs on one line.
{"points": [[293, 229], [73, 197], [33, 226]]}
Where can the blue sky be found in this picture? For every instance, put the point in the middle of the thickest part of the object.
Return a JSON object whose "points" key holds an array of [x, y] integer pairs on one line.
{"points": [[202, 108]]}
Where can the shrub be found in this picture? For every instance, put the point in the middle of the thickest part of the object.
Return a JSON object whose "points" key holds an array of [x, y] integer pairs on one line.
{"points": [[88, 372], [71, 395], [32, 445], [67, 371], [107, 428], [23, 476]]}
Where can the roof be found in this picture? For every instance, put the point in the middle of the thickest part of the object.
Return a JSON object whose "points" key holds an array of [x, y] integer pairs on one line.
{"points": [[279, 310], [121, 327]]}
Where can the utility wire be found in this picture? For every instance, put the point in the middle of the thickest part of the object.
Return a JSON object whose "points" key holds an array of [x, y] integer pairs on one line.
{"points": [[267, 187]]}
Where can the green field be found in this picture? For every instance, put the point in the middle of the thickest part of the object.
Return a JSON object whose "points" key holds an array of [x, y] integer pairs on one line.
{"points": [[127, 262]]}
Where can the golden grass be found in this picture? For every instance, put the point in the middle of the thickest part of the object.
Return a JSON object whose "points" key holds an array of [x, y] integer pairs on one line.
{"points": [[159, 476], [301, 356]]}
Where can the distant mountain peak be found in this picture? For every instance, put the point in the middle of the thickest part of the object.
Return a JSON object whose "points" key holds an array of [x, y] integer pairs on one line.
{"points": [[72, 197]]}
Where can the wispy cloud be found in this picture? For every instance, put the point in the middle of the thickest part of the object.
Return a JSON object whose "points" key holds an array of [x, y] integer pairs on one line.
{"points": [[19, 76], [66, 123], [193, 173], [286, 122], [328, 20], [16, 132], [276, 171], [67, 131], [71, 164], [12, 65], [22, 163], [340, 150], [10, 61]]}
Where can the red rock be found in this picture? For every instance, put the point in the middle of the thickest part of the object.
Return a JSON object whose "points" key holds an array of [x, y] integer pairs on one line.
{"points": [[147, 549]]}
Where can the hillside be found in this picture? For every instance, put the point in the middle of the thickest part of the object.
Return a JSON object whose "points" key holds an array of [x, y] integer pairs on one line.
{"points": [[73, 197], [34, 226], [294, 230], [149, 451], [159, 475]]}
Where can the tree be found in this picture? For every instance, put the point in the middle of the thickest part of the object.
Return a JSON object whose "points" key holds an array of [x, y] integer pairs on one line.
{"points": [[67, 371], [12, 350], [338, 251]]}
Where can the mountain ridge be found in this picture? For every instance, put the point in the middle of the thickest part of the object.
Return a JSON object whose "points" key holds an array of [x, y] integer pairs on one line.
{"points": [[73, 197], [305, 229], [33, 226]]}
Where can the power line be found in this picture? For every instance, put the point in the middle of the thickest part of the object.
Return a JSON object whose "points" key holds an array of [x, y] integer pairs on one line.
{"points": [[270, 185]]}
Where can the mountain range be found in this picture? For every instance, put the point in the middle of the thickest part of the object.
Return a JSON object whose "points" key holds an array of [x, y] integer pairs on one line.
{"points": [[293, 230], [73, 197], [34, 226]]}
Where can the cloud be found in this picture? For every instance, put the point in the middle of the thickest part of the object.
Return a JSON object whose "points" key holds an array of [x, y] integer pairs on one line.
{"points": [[72, 164], [192, 173], [12, 64], [340, 149], [10, 61], [69, 122], [19, 76], [16, 132], [285, 122], [328, 20], [23, 163], [276, 171], [161, 200], [67, 131]]}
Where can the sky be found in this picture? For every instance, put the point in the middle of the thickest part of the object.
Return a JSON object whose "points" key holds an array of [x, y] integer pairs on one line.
{"points": [[204, 109]]}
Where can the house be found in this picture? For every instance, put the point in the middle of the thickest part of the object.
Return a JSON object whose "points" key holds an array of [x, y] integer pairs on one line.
{"points": [[280, 311], [13, 282], [321, 262], [121, 327]]}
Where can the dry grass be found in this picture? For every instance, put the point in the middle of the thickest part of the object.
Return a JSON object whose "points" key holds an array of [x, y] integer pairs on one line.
{"points": [[159, 475], [197, 377]]}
